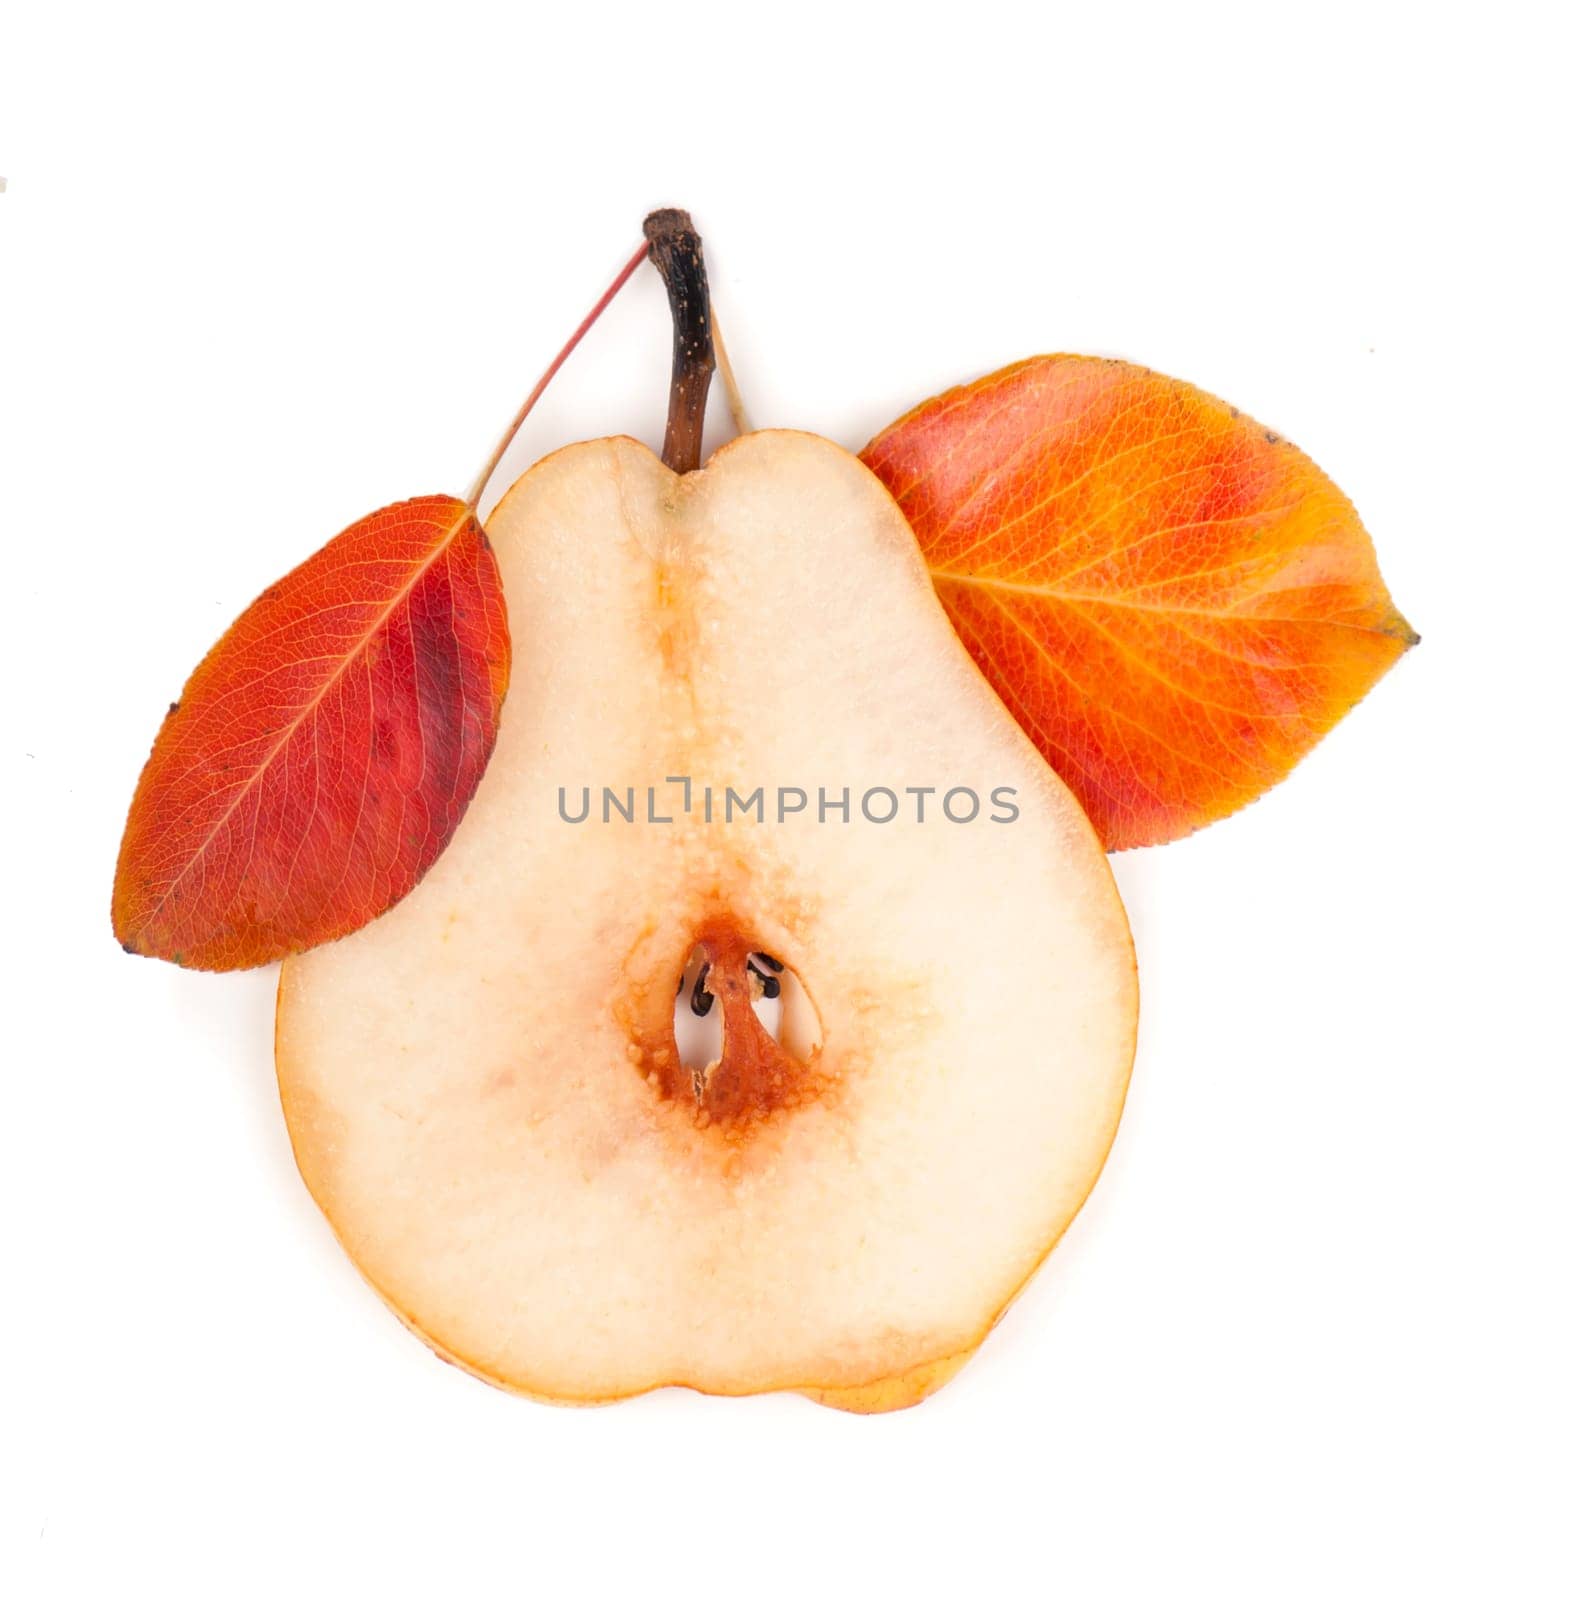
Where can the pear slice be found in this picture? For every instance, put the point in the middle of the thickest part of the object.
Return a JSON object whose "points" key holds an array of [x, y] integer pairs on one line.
{"points": [[484, 1089]]}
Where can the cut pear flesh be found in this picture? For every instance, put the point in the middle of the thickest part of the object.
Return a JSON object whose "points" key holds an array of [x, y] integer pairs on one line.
{"points": [[483, 1087]]}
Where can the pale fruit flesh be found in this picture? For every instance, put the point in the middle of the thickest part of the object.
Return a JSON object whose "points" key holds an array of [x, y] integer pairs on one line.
{"points": [[482, 1087]]}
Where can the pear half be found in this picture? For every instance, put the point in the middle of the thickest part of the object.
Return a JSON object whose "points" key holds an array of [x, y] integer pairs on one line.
{"points": [[484, 1089]]}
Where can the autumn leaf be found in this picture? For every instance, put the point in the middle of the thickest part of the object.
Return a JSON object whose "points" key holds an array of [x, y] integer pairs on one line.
{"points": [[322, 754], [1174, 602]]}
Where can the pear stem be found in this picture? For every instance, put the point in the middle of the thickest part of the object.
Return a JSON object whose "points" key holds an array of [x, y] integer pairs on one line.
{"points": [[488, 471], [677, 253]]}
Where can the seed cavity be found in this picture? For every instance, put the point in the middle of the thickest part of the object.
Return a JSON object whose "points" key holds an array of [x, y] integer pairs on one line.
{"points": [[744, 1038], [702, 1001], [767, 982]]}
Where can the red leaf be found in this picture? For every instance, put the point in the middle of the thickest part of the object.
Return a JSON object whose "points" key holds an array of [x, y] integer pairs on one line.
{"points": [[1174, 602], [322, 754]]}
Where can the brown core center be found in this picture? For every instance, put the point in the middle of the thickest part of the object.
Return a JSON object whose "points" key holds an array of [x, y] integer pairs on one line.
{"points": [[754, 1075]]}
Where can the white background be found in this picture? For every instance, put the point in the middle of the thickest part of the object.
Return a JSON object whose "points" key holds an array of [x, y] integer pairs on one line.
{"points": [[264, 269]]}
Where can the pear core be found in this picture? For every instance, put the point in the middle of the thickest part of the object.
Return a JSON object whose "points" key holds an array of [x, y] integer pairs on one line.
{"points": [[483, 1087]]}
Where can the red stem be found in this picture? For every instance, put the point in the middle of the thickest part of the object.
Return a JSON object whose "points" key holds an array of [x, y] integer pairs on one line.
{"points": [[488, 470]]}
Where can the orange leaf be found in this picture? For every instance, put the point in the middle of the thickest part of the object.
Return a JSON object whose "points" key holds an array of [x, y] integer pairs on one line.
{"points": [[1174, 603], [322, 754]]}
